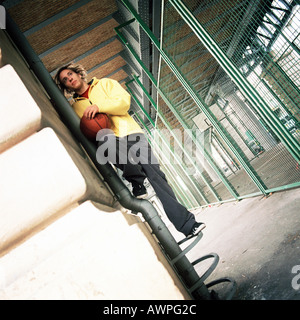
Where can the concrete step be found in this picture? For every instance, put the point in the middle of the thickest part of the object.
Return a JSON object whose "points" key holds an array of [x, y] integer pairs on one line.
{"points": [[19, 114], [38, 180], [54, 242], [42, 173], [93, 252]]}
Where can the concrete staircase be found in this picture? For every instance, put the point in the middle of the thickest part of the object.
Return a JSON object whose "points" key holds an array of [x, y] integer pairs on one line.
{"points": [[62, 234]]}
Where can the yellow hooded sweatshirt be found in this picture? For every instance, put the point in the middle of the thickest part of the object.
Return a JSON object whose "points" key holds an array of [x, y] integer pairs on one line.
{"points": [[111, 99]]}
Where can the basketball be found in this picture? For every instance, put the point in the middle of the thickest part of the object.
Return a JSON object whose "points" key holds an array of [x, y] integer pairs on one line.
{"points": [[90, 127]]}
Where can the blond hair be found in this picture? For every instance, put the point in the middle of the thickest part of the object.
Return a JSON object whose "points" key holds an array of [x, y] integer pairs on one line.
{"points": [[77, 68]]}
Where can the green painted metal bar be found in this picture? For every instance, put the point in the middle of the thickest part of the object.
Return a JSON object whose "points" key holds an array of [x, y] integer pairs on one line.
{"points": [[179, 192], [268, 60], [189, 157], [204, 108], [166, 144], [216, 143], [255, 194], [284, 90], [182, 195], [139, 104], [246, 88], [229, 156], [173, 173], [180, 119], [206, 154], [153, 80], [167, 125], [235, 128], [285, 187], [168, 174], [174, 186]]}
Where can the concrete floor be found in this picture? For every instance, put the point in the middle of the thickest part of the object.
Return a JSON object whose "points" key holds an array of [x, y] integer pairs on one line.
{"points": [[258, 242]]}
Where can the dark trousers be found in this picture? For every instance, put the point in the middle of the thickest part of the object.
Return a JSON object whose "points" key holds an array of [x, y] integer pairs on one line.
{"points": [[133, 155]]}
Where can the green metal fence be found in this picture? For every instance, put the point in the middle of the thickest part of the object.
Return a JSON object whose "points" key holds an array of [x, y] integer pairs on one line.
{"points": [[228, 97]]}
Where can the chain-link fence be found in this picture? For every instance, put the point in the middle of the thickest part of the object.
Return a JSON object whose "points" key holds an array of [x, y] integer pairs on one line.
{"points": [[243, 153], [227, 109]]}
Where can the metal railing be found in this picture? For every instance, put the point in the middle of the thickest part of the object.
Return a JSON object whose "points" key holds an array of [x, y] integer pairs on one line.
{"points": [[247, 148]]}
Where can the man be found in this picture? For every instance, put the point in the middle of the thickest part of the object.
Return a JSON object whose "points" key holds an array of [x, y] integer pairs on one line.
{"points": [[107, 96]]}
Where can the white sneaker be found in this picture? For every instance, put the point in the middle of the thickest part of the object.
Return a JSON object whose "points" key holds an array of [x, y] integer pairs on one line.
{"points": [[197, 228]]}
